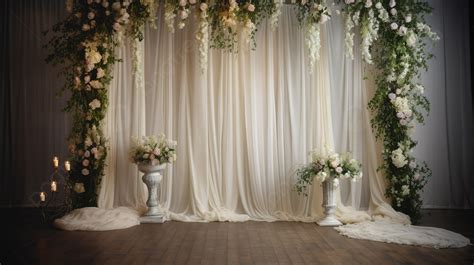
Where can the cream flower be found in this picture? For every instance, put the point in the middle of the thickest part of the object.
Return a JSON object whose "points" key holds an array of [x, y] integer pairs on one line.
{"points": [[79, 187], [94, 104], [96, 84]]}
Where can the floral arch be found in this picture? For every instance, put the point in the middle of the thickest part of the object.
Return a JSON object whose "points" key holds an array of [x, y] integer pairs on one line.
{"points": [[392, 39]]}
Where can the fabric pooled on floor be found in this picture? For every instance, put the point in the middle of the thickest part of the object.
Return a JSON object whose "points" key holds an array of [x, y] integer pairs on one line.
{"points": [[98, 219], [393, 232]]}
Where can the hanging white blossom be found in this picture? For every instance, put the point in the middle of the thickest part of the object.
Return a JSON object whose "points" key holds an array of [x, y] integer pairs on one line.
{"points": [[313, 42], [202, 37]]}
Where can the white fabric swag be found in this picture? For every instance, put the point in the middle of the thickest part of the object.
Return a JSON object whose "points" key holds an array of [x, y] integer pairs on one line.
{"points": [[244, 127]]}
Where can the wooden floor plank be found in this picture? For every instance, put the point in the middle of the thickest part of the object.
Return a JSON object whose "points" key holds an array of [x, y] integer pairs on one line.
{"points": [[218, 243]]}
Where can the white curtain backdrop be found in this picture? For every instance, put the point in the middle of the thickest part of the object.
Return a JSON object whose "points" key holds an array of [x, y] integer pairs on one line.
{"points": [[243, 127]]}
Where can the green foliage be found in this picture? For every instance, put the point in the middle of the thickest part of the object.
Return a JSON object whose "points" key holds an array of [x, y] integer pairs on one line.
{"points": [[83, 46]]}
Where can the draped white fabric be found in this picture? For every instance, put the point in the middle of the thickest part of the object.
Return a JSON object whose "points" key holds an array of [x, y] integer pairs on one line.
{"points": [[243, 127]]}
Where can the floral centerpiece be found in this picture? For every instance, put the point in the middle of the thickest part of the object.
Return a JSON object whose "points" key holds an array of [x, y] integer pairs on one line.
{"points": [[151, 154], [331, 167], [153, 150], [328, 169]]}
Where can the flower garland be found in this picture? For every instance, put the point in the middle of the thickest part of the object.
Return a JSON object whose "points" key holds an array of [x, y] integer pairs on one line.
{"points": [[311, 14], [393, 32], [84, 45]]}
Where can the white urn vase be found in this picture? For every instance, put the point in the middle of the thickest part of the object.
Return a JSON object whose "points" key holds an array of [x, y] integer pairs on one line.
{"points": [[152, 178], [329, 204]]}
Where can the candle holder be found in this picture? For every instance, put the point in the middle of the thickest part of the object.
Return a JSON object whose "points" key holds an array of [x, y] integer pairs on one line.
{"points": [[53, 201]]}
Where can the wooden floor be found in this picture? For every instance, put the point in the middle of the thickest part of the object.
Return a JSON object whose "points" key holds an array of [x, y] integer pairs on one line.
{"points": [[24, 241]]}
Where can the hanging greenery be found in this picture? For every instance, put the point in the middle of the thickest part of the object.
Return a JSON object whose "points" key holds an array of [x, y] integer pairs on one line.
{"points": [[392, 37], [84, 46]]}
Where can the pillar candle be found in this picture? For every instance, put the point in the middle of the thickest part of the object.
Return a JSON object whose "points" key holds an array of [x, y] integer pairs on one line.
{"points": [[54, 186], [42, 197], [55, 162]]}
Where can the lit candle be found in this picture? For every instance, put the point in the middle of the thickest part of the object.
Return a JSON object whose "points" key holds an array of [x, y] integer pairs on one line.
{"points": [[55, 162], [54, 186], [67, 166], [42, 197]]}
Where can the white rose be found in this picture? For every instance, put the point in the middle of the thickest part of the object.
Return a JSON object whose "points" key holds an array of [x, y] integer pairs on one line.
{"points": [[402, 30], [86, 27], [392, 3], [348, 2], [392, 96], [89, 67], [96, 84], [105, 4], [100, 73], [93, 57], [87, 78], [398, 158], [368, 3], [408, 18], [182, 2], [94, 104], [403, 122], [145, 156], [85, 172], [394, 26], [181, 25], [85, 162], [411, 39], [157, 151], [203, 6], [393, 11], [251, 8], [107, 12], [91, 15], [192, 2], [378, 5], [339, 170], [400, 115]]}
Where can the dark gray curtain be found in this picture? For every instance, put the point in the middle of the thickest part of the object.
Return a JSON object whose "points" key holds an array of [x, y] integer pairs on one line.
{"points": [[34, 128], [5, 182]]}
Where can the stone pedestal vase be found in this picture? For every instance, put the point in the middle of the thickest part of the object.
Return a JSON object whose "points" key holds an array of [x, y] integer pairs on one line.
{"points": [[152, 178], [329, 204]]}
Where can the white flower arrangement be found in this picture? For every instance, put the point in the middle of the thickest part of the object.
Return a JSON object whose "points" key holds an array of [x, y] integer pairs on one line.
{"points": [[311, 15], [153, 150], [275, 16], [328, 167]]}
